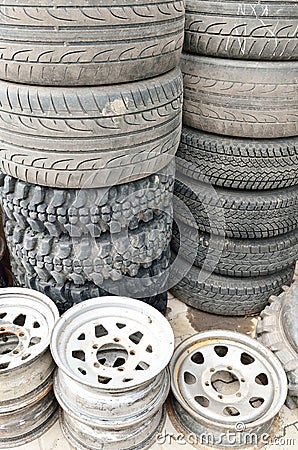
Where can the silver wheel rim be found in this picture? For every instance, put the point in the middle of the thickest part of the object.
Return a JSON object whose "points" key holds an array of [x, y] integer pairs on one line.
{"points": [[112, 343], [27, 319], [223, 378]]}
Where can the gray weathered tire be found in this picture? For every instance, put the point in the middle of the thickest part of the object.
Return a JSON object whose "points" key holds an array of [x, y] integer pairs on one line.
{"points": [[240, 98], [89, 212], [238, 163], [80, 260], [235, 257], [248, 30], [149, 285], [89, 43], [91, 137], [277, 330], [235, 213], [227, 296]]}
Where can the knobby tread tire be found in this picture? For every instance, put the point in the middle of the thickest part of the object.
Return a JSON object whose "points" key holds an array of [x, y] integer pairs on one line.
{"points": [[89, 43], [90, 212], [227, 296], [91, 137], [235, 257], [246, 30], [272, 333], [149, 285], [234, 213], [238, 163], [240, 98], [80, 260]]}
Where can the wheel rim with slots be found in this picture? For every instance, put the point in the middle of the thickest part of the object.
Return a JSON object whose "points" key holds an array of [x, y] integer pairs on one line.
{"points": [[221, 379], [112, 355]]}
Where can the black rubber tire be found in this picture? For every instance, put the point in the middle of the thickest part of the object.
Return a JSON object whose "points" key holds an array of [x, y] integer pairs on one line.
{"points": [[84, 259], [247, 30], [89, 43], [88, 212], [238, 163], [234, 213], [91, 137], [235, 257], [143, 286], [227, 296], [273, 333], [240, 98]]}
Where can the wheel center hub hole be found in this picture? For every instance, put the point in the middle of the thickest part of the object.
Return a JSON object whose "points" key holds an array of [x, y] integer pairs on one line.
{"points": [[112, 355], [225, 383], [8, 342]]}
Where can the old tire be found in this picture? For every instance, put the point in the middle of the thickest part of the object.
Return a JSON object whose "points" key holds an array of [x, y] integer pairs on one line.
{"points": [[238, 163], [227, 296], [84, 259], [91, 137], [235, 257], [149, 285], [240, 98], [272, 331], [90, 212], [79, 43], [246, 30], [235, 213]]}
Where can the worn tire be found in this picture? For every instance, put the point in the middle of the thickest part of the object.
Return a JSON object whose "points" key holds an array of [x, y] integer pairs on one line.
{"points": [[143, 286], [91, 137], [226, 296], [84, 259], [89, 43], [238, 163], [235, 257], [246, 30], [273, 333], [89, 212], [240, 98], [235, 213]]}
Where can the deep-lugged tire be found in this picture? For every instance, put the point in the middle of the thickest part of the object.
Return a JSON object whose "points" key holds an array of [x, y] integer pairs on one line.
{"points": [[89, 43], [149, 285], [247, 30], [272, 331], [87, 211], [235, 213], [89, 137], [238, 163], [240, 98], [85, 259], [235, 257], [227, 296]]}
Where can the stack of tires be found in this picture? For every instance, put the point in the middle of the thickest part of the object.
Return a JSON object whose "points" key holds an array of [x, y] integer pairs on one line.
{"points": [[90, 119], [238, 158]]}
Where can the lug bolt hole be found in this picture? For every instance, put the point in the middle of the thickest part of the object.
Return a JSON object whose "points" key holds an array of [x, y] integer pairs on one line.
{"points": [[21, 334], [132, 352], [15, 352], [238, 394], [220, 396], [120, 369], [97, 365], [230, 368], [242, 380], [207, 383], [116, 340], [212, 370], [95, 346]]}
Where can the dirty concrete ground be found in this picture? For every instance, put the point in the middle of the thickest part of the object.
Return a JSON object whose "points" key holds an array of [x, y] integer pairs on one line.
{"points": [[187, 321]]}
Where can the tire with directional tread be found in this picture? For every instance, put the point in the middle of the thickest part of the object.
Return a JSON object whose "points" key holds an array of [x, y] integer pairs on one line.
{"points": [[240, 98], [92, 136], [79, 43], [248, 30]]}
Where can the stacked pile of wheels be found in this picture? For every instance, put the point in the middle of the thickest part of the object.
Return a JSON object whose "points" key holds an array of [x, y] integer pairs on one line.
{"points": [[238, 157], [27, 403], [112, 378], [90, 119]]}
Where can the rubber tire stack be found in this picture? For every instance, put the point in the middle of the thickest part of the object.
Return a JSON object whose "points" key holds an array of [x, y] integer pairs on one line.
{"points": [[238, 157], [90, 120]]}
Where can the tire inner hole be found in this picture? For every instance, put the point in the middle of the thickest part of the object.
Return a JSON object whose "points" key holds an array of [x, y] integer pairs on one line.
{"points": [[112, 355], [225, 383], [8, 342]]}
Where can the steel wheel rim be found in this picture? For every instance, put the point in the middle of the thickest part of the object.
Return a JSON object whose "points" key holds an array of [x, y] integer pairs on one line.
{"points": [[112, 343], [209, 374], [27, 319]]}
